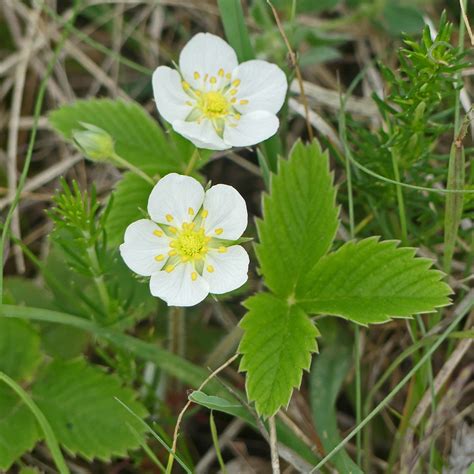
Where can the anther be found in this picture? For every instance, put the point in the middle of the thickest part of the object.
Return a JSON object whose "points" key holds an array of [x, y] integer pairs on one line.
{"points": [[194, 276], [191, 211], [169, 217], [172, 253], [244, 102], [169, 268], [173, 230], [219, 231], [236, 83], [196, 75], [188, 102], [185, 85], [233, 91], [220, 72], [222, 249], [205, 213], [233, 100], [159, 258], [158, 233], [210, 268], [212, 80], [228, 75]]}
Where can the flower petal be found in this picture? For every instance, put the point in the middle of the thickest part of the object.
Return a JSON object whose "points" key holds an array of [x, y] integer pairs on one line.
{"points": [[169, 95], [206, 54], [252, 128], [177, 288], [229, 269], [141, 246], [200, 134], [262, 84], [172, 197], [227, 212]]}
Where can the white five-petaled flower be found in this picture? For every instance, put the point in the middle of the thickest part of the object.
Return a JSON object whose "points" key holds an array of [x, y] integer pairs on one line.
{"points": [[186, 248], [216, 103]]}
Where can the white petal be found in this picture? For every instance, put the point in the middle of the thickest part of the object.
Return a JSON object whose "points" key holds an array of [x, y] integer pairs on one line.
{"points": [[206, 54], [227, 212], [230, 269], [263, 84], [203, 134], [141, 246], [252, 128], [173, 196], [169, 95], [177, 288]]}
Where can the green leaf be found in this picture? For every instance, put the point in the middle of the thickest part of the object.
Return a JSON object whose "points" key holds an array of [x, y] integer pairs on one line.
{"points": [[18, 430], [19, 348], [371, 281], [300, 218], [400, 19], [235, 28], [80, 403], [138, 138], [130, 204], [276, 346], [327, 376]]}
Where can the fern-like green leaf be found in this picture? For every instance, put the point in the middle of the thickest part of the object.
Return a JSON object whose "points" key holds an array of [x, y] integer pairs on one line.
{"points": [[138, 138], [371, 281], [276, 347], [19, 348], [80, 403], [300, 218], [18, 430]]}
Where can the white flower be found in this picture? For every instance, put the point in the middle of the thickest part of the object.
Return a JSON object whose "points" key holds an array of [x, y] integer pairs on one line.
{"points": [[187, 246], [216, 103]]}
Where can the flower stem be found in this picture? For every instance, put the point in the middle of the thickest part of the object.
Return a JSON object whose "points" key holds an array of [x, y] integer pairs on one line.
{"points": [[192, 162], [121, 161], [401, 201]]}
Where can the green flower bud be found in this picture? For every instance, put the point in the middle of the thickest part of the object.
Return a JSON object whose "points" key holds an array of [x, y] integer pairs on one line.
{"points": [[94, 142]]}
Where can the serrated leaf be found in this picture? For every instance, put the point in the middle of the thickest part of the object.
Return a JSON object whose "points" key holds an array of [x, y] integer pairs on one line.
{"points": [[371, 281], [19, 348], [300, 218], [276, 347], [18, 430], [138, 138], [80, 403], [130, 204]]}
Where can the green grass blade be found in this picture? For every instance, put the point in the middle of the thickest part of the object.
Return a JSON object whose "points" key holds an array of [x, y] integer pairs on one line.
{"points": [[49, 435]]}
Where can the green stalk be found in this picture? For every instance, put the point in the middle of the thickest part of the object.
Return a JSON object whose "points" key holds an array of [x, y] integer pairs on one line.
{"points": [[122, 162], [31, 143], [400, 199]]}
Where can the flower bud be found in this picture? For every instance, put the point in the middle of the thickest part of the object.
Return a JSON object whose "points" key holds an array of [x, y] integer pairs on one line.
{"points": [[94, 142]]}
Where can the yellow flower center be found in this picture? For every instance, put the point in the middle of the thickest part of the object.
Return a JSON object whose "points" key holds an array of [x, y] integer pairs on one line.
{"points": [[190, 244], [213, 105]]}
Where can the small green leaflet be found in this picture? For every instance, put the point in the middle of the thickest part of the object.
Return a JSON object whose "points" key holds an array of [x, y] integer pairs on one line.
{"points": [[365, 282], [80, 403], [371, 281], [276, 347], [300, 218]]}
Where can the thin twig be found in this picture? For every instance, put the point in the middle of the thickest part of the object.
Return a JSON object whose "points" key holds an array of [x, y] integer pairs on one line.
{"points": [[295, 65]]}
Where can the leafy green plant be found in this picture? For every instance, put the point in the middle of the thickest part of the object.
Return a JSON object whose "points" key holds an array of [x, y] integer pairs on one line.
{"points": [[365, 282]]}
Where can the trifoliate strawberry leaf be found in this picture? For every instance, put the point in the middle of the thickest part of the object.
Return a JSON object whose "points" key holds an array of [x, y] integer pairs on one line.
{"points": [[300, 218], [137, 136], [277, 345], [370, 282], [18, 430], [19, 348], [80, 403]]}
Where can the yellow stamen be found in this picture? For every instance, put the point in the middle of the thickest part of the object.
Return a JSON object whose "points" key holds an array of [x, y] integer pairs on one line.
{"points": [[188, 102], [244, 102], [212, 80], [158, 233], [228, 75], [236, 83], [219, 231], [159, 258], [220, 72], [169, 268], [205, 77], [169, 217], [205, 213], [210, 268], [172, 253], [191, 211], [237, 116], [233, 91], [196, 75], [233, 100], [222, 249], [173, 230], [194, 276], [185, 85]]}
